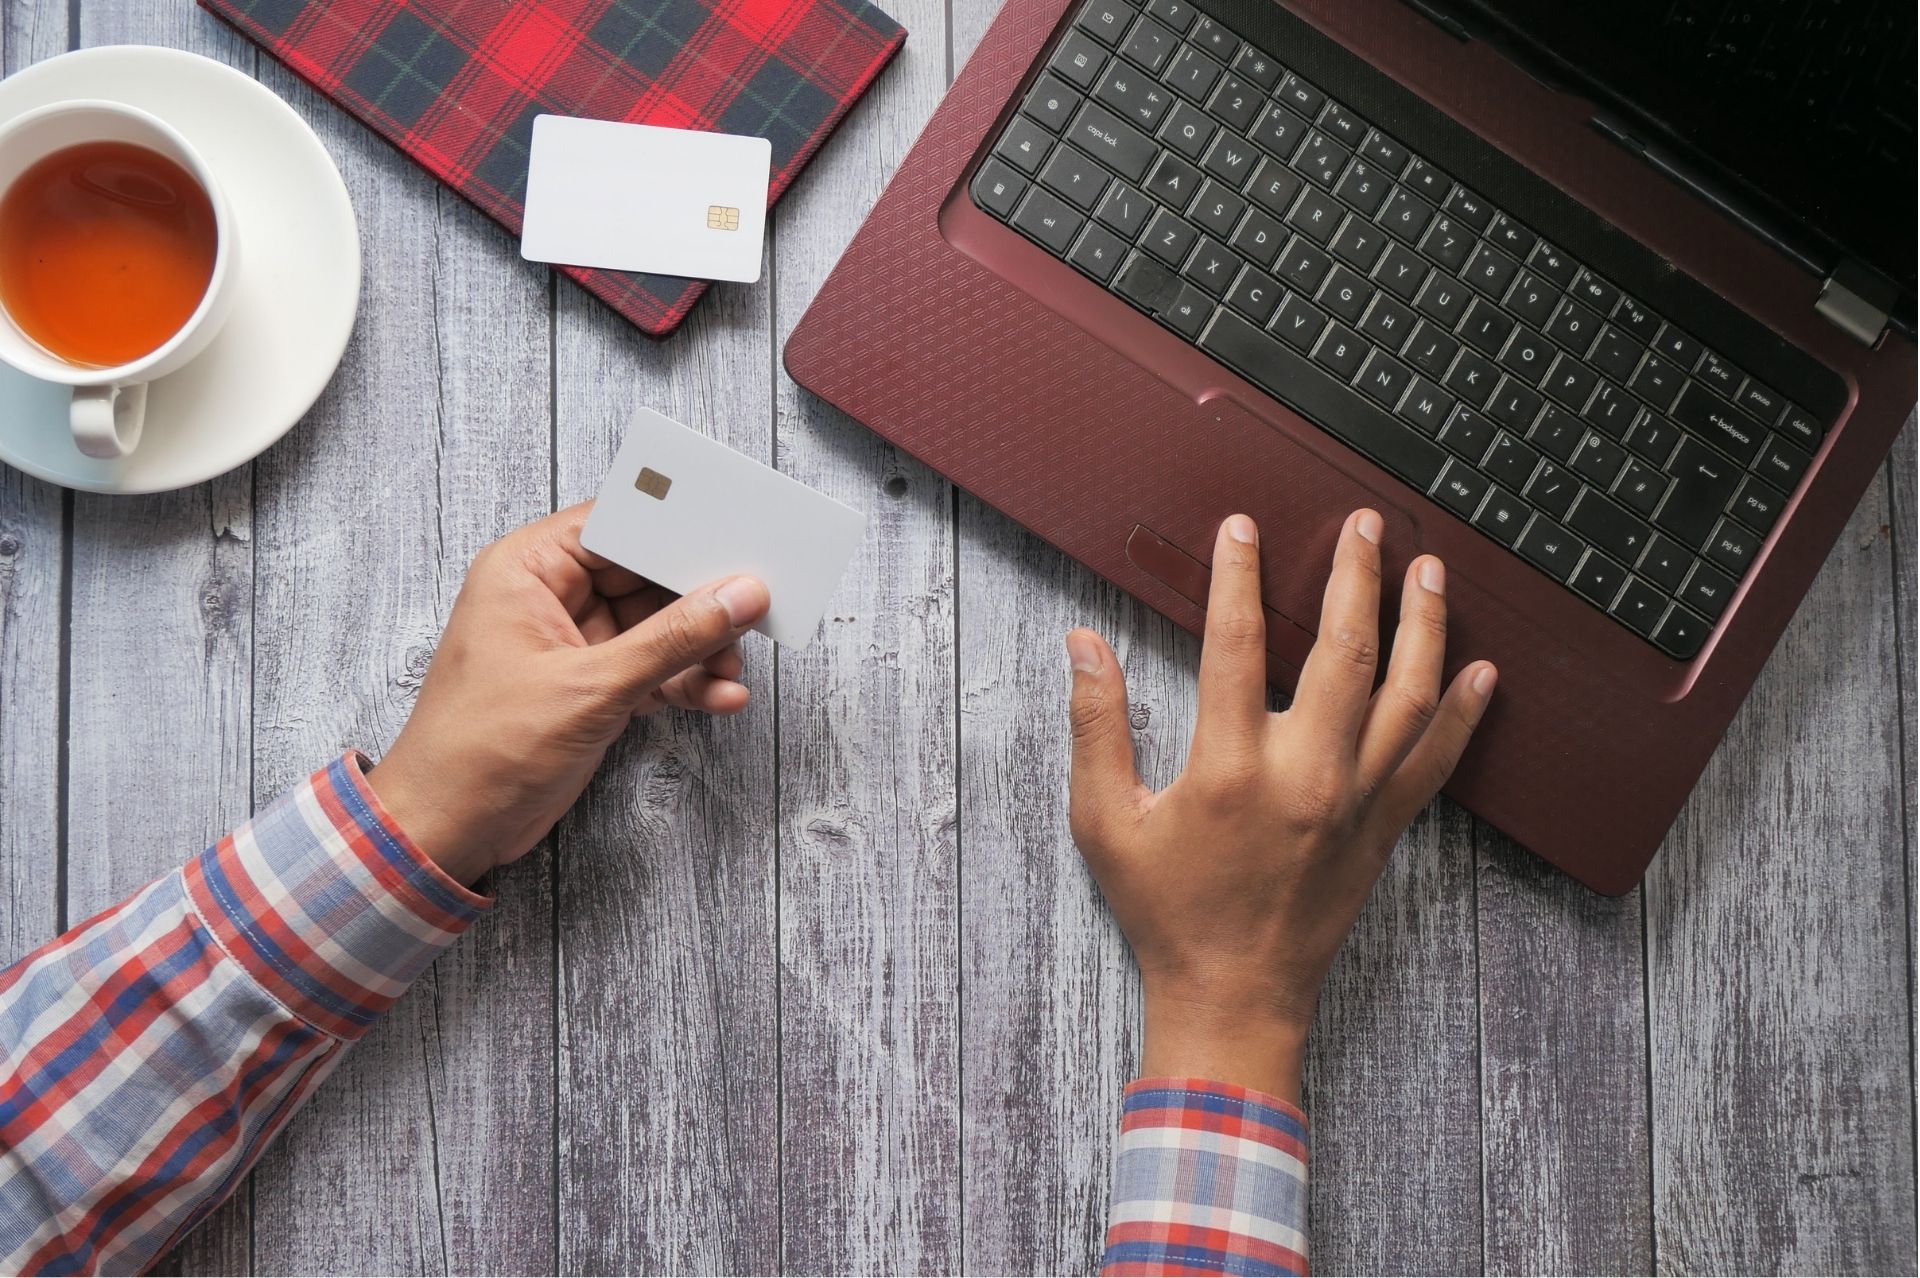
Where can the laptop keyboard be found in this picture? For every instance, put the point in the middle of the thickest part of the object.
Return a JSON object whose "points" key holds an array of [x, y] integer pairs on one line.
{"points": [[1197, 178]]}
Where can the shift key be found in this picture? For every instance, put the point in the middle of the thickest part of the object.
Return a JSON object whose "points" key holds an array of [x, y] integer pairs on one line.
{"points": [[1112, 141]]}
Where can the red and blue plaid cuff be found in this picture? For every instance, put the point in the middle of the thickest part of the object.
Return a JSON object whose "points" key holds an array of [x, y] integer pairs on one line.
{"points": [[327, 903], [1209, 1178]]}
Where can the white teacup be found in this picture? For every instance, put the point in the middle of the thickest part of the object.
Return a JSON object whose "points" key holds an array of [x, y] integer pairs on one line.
{"points": [[109, 404]]}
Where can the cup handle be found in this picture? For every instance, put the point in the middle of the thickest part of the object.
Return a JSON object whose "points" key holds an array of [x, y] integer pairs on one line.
{"points": [[107, 419]]}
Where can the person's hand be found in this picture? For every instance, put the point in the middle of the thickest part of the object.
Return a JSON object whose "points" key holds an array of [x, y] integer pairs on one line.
{"points": [[1236, 884], [550, 653]]}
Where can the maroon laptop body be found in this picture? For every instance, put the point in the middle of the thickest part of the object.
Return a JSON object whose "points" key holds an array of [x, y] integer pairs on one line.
{"points": [[1030, 386]]}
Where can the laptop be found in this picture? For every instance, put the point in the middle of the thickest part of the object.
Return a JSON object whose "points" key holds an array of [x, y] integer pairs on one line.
{"points": [[1610, 306]]}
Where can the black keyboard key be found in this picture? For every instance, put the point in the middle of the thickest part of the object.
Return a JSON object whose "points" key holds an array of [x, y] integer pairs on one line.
{"points": [[1187, 129], [1571, 382], [1657, 381], [1360, 243], [1680, 634], [1486, 326], [1472, 377], [1113, 142], [1443, 298], [1653, 438], [1051, 103], [1665, 562], [1511, 462], [1703, 483], [1511, 236], [1781, 464], [1215, 39], [1300, 95], [1759, 402], [1722, 377], [1302, 265], [1678, 347], [1469, 208], [1640, 606], [1099, 252], [1079, 59], [1447, 242], [1174, 182], [1573, 326], [1733, 547], [1431, 350], [1169, 238], [1256, 295], [1611, 411], [1071, 174], [1106, 21], [1213, 267], [1315, 216], [1429, 183], [1025, 145], [1552, 263], [1801, 426], [1599, 578], [1710, 417], [1557, 432], [1189, 311], [1124, 209], [1147, 284], [1217, 209], [1637, 320], [1598, 460], [1257, 67], [1134, 94], [998, 188], [1594, 291], [1338, 410], [1321, 158], [1274, 185], [1527, 355], [1387, 322], [1609, 525], [1461, 489], [1756, 505], [1405, 214], [1551, 547], [1150, 44], [1342, 351], [1490, 270], [1553, 489], [1501, 516], [1384, 379], [1402, 270], [1707, 591], [1259, 238], [1384, 151], [1193, 73], [1363, 186], [1178, 14], [1426, 406], [1048, 219], [1298, 322], [1532, 298], [1641, 487], [1343, 125], [1235, 103], [1615, 354], [1468, 433]]}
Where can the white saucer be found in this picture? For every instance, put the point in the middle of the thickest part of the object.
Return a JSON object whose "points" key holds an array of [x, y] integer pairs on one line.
{"points": [[299, 276]]}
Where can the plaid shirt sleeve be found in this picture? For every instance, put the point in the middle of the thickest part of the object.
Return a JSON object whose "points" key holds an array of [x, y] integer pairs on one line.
{"points": [[152, 1052], [1209, 1178]]}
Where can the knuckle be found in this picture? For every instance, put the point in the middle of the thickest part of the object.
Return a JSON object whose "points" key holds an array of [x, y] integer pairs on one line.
{"points": [[1319, 795], [1352, 647], [1427, 620], [1417, 705], [1230, 777], [1087, 717], [1239, 632]]}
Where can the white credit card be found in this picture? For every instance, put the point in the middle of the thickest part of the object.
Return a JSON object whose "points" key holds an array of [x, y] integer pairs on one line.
{"points": [[633, 197], [682, 510]]}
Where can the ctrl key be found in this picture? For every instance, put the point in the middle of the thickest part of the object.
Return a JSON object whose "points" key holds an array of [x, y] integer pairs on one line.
{"points": [[1048, 220]]}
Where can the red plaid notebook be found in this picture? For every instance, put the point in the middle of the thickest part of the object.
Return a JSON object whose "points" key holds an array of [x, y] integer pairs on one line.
{"points": [[456, 84]]}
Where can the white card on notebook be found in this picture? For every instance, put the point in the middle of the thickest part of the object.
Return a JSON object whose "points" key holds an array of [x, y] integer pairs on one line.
{"points": [[682, 510], [634, 197]]}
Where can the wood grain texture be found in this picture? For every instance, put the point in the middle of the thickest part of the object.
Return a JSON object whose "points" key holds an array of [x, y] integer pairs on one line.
{"points": [[869, 945], [1777, 929], [1903, 473], [1563, 1070], [431, 440], [669, 1023]]}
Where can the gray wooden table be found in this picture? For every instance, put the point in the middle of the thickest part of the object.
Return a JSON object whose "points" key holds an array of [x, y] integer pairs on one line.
{"points": [[825, 988]]}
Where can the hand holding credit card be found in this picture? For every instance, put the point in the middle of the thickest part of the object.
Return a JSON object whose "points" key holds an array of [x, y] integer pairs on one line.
{"points": [[682, 510]]}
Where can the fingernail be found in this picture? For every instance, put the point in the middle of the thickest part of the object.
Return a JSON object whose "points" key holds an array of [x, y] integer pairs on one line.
{"points": [[744, 598], [1241, 529], [1483, 682], [1083, 652], [1368, 525], [1433, 577]]}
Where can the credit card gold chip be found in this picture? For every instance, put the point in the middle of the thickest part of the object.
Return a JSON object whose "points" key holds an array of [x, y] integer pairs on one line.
{"points": [[653, 483], [722, 218]]}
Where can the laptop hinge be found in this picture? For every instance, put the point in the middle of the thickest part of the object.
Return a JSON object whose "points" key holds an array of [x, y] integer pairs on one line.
{"points": [[1856, 301]]}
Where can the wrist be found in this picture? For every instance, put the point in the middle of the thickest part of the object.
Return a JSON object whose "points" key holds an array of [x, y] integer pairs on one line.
{"points": [[1253, 1048], [413, 802]]}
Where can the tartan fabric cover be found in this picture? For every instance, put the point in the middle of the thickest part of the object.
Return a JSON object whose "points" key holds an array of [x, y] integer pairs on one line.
{"points": [[456, 85]]}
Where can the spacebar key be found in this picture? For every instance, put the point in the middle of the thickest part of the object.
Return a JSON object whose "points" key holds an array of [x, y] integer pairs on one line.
{"points": [[1334, 408]]}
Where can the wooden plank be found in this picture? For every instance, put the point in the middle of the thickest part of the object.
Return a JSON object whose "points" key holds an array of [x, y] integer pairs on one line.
{"points": [[870, 1151], [1563, 1070], [669, 1013], [431, 1149], [1777, 930], [1903, 471]]}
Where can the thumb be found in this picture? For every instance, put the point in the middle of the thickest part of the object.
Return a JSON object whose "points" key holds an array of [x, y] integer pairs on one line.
{"points": [[1104, 789], [683, 634]]}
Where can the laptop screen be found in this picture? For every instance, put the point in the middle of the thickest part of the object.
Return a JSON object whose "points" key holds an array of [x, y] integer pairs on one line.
{"points": [[1809, 104]]}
